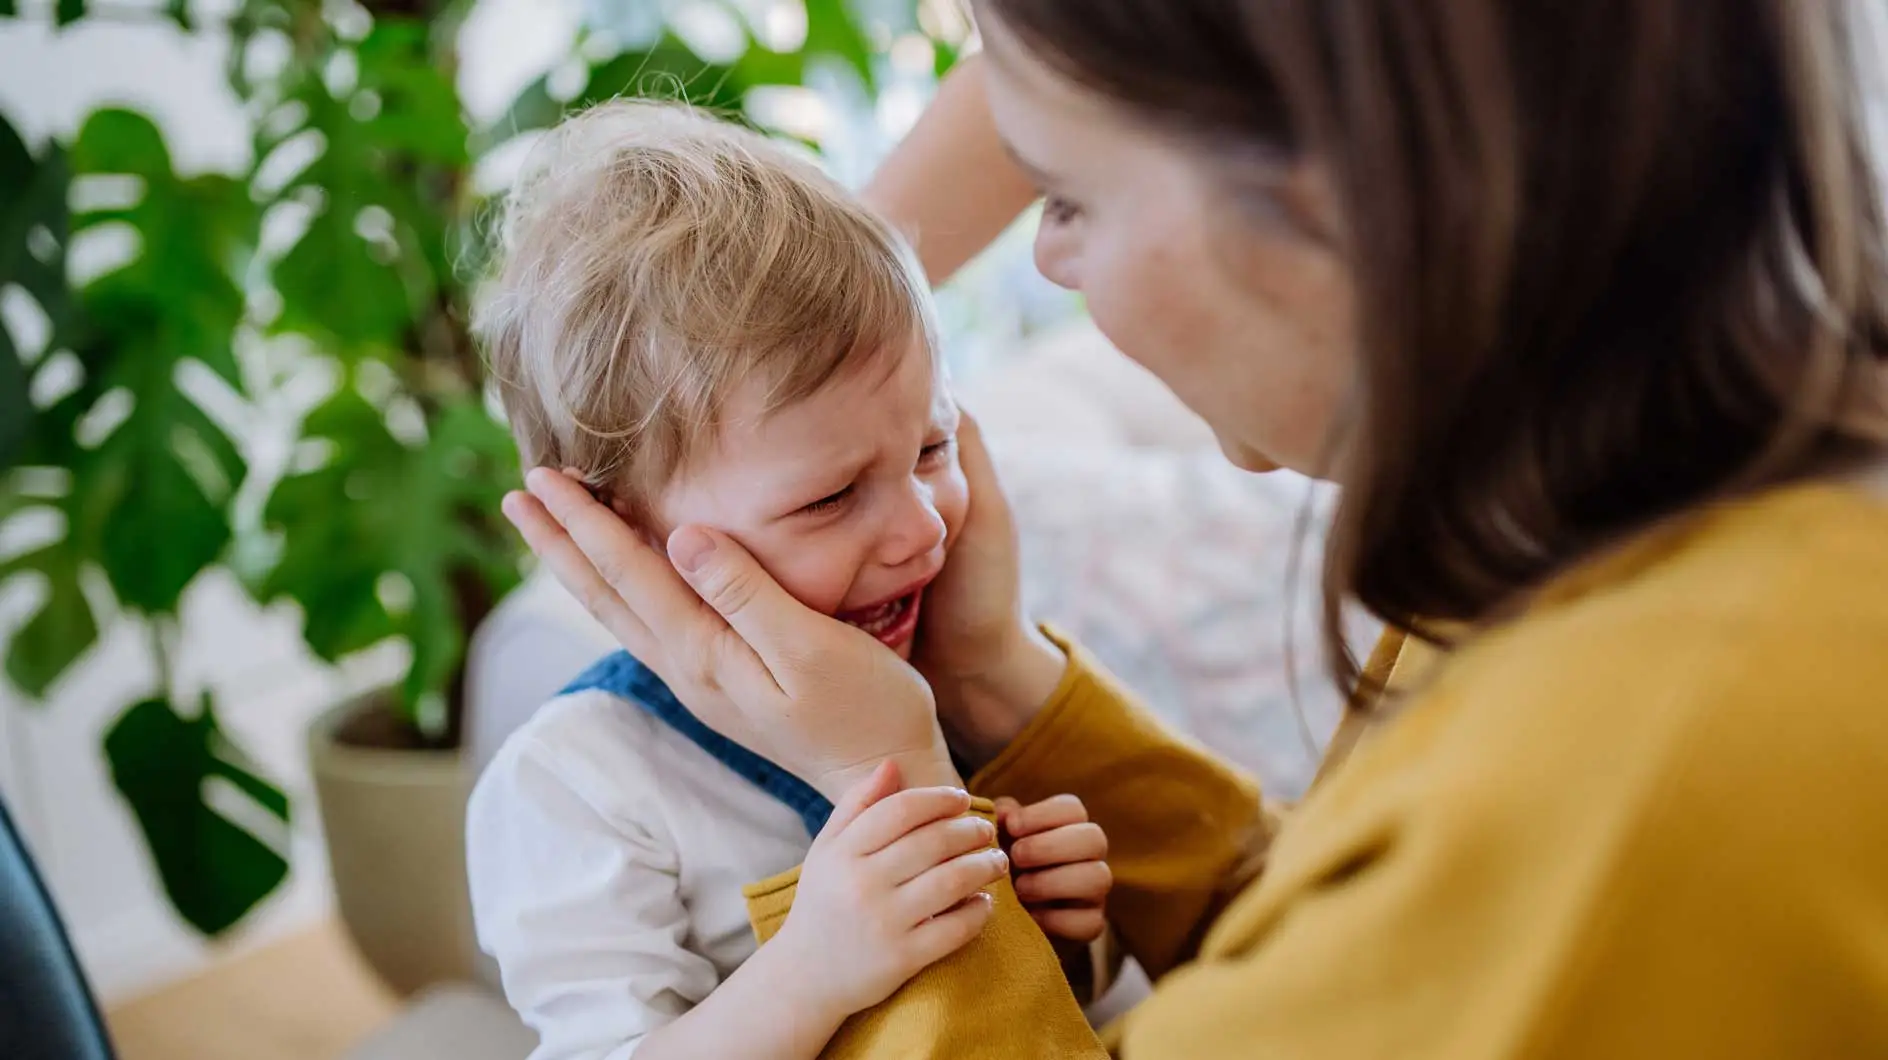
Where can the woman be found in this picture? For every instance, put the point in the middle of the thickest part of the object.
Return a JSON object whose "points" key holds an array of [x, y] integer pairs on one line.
{"points": [[1585, 306]]}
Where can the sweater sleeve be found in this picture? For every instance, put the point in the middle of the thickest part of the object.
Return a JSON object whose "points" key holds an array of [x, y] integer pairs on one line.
{"points": [[1001, 997], [1186, 831]]}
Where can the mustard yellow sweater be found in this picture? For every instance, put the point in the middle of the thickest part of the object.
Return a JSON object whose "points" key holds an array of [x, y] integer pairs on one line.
{"points": [[1647, 819]]}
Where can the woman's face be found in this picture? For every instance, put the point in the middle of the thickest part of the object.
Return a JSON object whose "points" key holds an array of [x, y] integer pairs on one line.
{"points": [[1230, 300]]}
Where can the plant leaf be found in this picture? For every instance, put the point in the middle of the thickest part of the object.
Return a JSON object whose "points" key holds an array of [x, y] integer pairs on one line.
{"points": [[947, 56], [336, 291], [327, 562], [374, 259], [16, 164], [831, 29], [8, 9], [16, 411], [667, 68], [116, 140], [179, 12], [33, 200], [419, 113], [655, 71], [63, 629], [132, 329], [70, 11], [213, 869], [425, 514]]}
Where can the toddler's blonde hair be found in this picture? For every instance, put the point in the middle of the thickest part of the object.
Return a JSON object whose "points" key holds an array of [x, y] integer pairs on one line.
{"points": [[651, 259]]}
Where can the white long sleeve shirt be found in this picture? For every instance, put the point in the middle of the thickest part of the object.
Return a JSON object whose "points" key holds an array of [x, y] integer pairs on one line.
{"points": [[606, 853]]}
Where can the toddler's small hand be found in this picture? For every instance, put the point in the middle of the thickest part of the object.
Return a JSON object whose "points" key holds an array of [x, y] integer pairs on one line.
{"points": [[1059, 860], [892, 884]]}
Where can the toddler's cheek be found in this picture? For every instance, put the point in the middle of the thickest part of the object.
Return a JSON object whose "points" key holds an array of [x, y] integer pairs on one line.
{"points": [[815, 570], [952, 498]]}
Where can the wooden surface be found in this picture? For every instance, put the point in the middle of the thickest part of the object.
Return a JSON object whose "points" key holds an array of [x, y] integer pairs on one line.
{"points": [[308, 997]]}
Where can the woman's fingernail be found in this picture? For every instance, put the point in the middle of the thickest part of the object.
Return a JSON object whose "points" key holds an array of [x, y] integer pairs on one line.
{"points": [[1001, 859], [689, 548]]}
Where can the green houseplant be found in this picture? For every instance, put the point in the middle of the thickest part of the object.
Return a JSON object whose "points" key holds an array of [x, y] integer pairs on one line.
{"points": [[386, 524]]}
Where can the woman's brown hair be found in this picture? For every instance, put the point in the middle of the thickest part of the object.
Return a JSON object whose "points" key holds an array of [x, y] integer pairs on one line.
{"points": [[1613, 258]]}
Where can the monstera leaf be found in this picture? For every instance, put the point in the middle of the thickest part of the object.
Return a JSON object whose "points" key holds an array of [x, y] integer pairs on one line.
{"points": [[67, 12], [148, 475], [16, 411], [381, 539], [167, 464], [32, 257], [832, 30], [33, 235], [214, 870], [62, 630], [390, 536], [392, 147], [668, 68], [33, 231]]}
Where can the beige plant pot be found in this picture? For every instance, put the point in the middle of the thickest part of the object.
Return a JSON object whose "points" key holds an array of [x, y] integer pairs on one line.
{"points": [[395, 826]]}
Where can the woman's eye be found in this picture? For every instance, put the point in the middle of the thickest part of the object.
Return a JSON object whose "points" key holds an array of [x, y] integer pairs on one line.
{"points": [[828, 504], [936, 453], [1059, 211]]}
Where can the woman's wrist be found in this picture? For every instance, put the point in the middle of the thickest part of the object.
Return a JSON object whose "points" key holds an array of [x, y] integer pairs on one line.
{"points": [[982, 713], [919, 769]]}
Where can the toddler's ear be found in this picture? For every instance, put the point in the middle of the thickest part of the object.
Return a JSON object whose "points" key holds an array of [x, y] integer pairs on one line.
{"points": [[605, 497]]}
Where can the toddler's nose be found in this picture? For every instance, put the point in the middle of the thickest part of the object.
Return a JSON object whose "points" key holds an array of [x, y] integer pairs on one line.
{"points": [[916, 529]]}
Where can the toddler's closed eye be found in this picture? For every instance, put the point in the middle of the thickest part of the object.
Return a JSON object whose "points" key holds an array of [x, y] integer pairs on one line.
{"points": [[828, 504], [936, 453]]}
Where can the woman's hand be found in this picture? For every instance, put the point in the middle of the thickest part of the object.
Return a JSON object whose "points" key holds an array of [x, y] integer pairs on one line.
{"points": [[893, 883], [820, 698], [989, 666]]}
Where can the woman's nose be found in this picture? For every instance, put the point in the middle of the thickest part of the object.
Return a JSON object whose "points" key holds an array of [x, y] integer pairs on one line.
{"points": [[916, 528]]}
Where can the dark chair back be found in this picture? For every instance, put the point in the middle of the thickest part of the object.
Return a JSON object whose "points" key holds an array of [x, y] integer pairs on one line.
{"points": [[46, 1009]]}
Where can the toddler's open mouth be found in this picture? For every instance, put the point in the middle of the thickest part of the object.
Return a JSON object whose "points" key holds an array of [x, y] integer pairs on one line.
{"points": [[893, 622]]}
